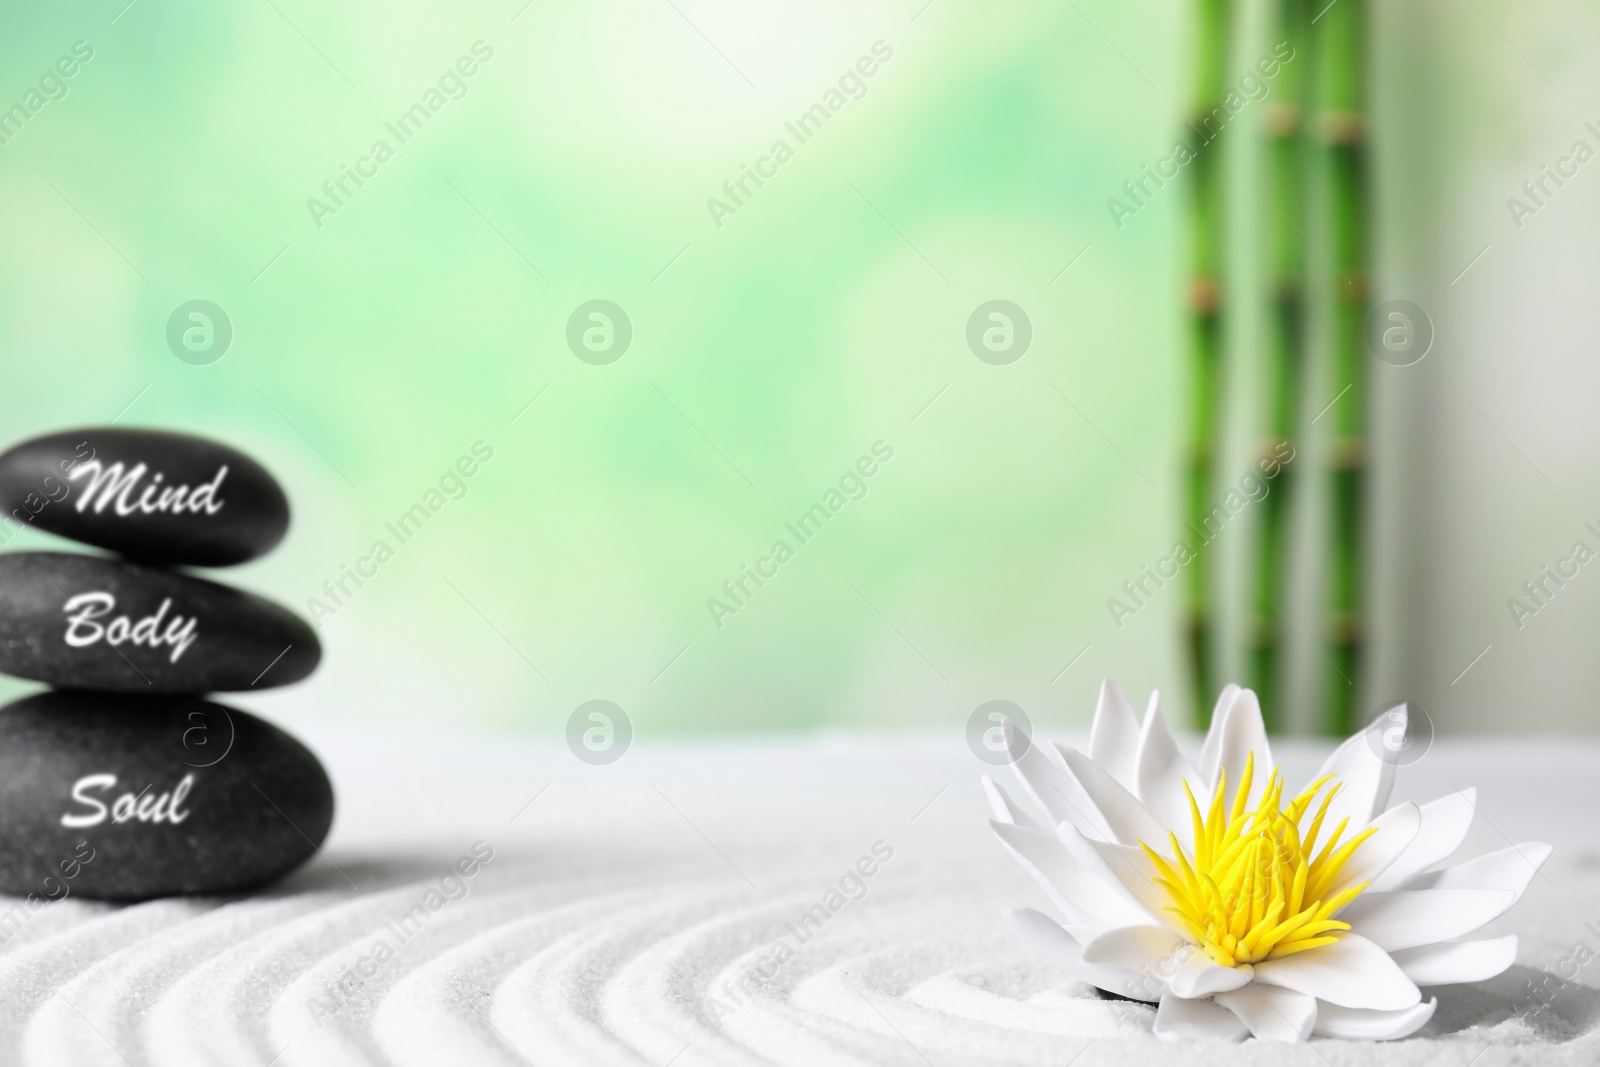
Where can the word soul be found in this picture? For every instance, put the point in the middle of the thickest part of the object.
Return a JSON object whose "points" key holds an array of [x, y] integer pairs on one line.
{"points": [[142, 806]]}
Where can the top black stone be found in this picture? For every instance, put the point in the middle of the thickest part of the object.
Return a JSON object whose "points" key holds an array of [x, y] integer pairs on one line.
{"points": [[153, 496]]}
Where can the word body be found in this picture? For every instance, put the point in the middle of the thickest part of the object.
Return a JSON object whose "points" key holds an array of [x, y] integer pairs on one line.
{"points": [[83, 630]]}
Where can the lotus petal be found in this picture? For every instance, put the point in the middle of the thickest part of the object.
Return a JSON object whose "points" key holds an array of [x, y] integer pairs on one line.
{"points": [[1451, 962], [1271, 1012], [1162, 771], [1445, 823], [1046, 938], [1510, 869], [1397, 829], [1045, 778], [1126, 818], [1244, 735], [1405, 918], [1178, 1019], [1197, 976], [1365, 779], [1080, 895], [1211, 750], [1138, 948], [1114, 736], [1365, 1024], [1120, 865], [1352, 972], [1004, 809]]}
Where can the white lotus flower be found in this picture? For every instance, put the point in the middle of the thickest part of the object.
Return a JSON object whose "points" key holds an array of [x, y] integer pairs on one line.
{"points": [[1238, 908]]}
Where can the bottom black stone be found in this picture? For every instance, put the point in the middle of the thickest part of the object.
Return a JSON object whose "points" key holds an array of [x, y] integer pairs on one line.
{"points": [[120, 797]]}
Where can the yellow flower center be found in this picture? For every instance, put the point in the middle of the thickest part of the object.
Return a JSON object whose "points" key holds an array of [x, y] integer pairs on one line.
{"points": [[1253, 889]]}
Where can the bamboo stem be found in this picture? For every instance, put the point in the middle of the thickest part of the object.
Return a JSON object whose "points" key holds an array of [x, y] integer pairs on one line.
{"points": [[1286, 365], [1342, 131], [1205, 322]]}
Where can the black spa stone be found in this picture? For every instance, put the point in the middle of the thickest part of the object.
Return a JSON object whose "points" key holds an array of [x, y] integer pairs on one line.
{"points": [[120, 797], [147, 494], [93, 623]]}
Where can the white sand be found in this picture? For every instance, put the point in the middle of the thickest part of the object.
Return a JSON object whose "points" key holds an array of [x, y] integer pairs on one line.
{"points": [[608, 930]]}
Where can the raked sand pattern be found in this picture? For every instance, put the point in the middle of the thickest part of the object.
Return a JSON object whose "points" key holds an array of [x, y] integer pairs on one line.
{"points": [[631, 915]]}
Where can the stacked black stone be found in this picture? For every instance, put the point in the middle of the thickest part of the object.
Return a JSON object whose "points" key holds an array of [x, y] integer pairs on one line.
{"points": [[124, 783]]}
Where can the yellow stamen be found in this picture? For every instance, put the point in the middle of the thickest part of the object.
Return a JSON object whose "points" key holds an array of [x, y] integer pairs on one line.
{"points": [[1256, 888], [1241, 796], [1316, 824]]}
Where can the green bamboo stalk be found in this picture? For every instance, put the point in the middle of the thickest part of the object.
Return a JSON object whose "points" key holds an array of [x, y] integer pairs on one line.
{"points": [[1286, 365], [1341, 125], [1205, 325]]}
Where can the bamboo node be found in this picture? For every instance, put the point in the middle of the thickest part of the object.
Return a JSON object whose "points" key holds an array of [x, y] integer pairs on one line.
{"points": [[1342, 127], [1271, 448], [1204, 294], [1344, 629], [1352, 287], [1283, 118], [1348, 454]]}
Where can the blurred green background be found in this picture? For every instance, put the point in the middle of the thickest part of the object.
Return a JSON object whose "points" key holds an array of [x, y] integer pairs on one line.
{"points": [[828, 312]]}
